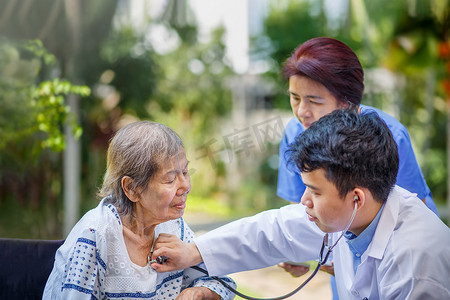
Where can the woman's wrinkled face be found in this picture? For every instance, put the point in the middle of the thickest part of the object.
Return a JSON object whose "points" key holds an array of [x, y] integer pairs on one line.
{"points": [[166, 194], [310, 100]]}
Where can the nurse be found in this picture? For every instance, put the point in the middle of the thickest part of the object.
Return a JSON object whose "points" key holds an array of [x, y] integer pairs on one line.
{"points": [[394, 248]]}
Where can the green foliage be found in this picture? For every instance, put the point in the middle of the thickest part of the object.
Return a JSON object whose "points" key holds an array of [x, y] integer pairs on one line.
{"points": [[193, 84], [208, 206], [53, 113], [29, 219], [192, 97], [178, 15], [32, 106], [286, 27], [133, 68], [37, 49], [32, 117], [289, 26], [30, 110], [186, 89]]}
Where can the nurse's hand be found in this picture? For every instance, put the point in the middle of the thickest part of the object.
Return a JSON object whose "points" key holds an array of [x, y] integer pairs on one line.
{"points": [[199, 293], [328, 269], [180, 255], [294, 270]]}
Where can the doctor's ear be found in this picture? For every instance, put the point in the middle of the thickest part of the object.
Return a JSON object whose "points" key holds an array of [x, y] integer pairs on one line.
{"points": [[359, 197]]}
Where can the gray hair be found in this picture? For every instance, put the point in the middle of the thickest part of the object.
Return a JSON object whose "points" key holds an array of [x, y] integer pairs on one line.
{"points": [[137, 150]]}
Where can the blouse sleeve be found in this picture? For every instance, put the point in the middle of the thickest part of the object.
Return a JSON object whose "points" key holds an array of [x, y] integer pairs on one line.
{"points": [[194, 278]]}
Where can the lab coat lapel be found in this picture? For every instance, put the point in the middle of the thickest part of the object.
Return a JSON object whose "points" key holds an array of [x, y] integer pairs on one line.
{"points": [[385, 228], [365, 280], [364, 283]]}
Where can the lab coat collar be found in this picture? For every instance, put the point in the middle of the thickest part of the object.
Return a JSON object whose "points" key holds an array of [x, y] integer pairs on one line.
{"points": [[386, 225]]}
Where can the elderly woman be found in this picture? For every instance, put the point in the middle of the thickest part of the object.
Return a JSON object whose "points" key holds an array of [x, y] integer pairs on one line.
{"points": [[108, 252]]}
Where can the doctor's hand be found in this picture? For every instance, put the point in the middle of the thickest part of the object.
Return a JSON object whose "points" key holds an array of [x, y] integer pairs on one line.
{"points": [[180, 255], [294, 270], [200, 293]]}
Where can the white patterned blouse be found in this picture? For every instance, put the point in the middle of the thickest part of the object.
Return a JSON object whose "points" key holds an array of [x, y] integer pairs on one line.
{"points": [[93, 263]]}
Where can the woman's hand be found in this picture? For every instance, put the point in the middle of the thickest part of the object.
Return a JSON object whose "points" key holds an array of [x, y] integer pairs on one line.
{"points": [[199, 293], [180, 255]]}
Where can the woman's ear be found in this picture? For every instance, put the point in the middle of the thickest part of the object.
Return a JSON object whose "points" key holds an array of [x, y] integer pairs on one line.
{"points": [[127, 183]]}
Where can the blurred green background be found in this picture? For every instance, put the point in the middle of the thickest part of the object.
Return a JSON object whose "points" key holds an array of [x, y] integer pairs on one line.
{"points": [[72, 72]]}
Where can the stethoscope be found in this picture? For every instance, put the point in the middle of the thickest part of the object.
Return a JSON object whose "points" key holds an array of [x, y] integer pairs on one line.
{"points": [[323, 259]]}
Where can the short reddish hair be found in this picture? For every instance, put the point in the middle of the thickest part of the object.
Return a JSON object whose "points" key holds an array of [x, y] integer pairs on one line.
{"points": [[330, 62]]}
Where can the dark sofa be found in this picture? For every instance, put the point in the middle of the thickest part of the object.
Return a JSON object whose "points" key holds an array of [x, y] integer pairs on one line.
{"points": [[25, 266]]}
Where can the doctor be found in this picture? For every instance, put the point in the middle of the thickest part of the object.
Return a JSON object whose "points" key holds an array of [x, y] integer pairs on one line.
{"points": [[394, 248]]}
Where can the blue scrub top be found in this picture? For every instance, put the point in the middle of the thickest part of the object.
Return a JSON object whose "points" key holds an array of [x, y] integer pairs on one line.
{"points": [[290, 185]]}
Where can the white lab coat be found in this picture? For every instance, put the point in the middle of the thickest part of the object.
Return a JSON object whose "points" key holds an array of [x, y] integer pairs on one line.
{"points": [[408, 258]]}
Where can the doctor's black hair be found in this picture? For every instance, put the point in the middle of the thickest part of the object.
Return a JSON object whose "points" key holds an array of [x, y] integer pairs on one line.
{"points": [[355, 150]]}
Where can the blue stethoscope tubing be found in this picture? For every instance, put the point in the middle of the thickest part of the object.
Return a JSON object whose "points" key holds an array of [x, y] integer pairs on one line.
{"points": [[321, 262]]}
